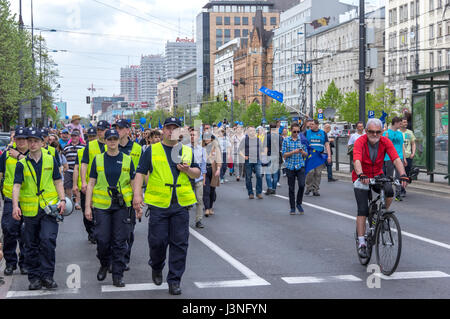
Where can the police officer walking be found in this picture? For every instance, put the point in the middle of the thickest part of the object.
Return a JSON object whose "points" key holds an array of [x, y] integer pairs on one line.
{"points": [[12, 229], [110, 193], [38, 184], [134, 150], [93, 148], [169, 194]]}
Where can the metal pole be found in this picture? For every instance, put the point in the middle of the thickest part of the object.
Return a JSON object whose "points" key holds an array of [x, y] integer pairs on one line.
{"points": [[417, 38], [231, 101], [362, 63], [304, 38], [33, 101]]}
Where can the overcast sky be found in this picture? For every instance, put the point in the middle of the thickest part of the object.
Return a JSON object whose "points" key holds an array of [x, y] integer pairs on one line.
{"points": [[125, 30]]}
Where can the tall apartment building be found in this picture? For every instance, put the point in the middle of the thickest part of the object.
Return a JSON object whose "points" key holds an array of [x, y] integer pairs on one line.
{"points": [[336, 55], [407, 54], [224, 20], [167, 97], [180, 57], [224, 67], [289, 43], [129, 82], [151, 72]]}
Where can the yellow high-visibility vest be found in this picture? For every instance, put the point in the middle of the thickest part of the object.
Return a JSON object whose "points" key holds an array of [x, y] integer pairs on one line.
{"points": [[28, 198], [159, 191], [100, 198]]}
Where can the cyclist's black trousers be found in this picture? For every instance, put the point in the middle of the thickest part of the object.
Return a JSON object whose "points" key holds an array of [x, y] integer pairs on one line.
{"points": [[362, 197]]}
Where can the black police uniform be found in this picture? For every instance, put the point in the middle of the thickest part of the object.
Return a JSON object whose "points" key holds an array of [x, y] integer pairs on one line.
{"points": [[167, 225], [112, 226], [12, 229], [40, 231]]}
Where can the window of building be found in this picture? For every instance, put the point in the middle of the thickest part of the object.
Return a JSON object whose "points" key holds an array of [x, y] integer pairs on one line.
{"points": [[255, 70], [218, 20], [439, 4], [264, 20], [218, 44], [237, 20], [227, 20], [431, 61], [440, 60], [431, 31], [219, 34], [245, 33], [417, 8], [227, 36], [411, 9], [244, 20], [439, 30], [448, 58], [273, 21], [431, 5], [237, 33], [412, 65]]}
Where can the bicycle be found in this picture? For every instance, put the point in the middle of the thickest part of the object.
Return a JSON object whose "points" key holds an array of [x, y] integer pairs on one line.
{"points": [[382, 230]]}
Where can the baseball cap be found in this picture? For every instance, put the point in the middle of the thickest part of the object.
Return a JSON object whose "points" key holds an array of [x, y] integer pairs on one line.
{"points": [[35, 133], [92, 131], [111, 133], [21, 132], [44, 132], [172, 120], [103, 125], [121, 123], [75, 132], [65, 131]]}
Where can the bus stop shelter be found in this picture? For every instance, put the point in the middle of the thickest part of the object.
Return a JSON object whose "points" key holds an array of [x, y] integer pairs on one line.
{"points": [[429, 105]]}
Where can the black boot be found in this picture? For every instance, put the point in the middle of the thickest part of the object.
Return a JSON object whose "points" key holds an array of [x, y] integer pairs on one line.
{"points": [[101, 275]]}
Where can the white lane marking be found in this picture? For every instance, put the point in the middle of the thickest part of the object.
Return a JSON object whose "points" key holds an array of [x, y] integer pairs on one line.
{"points": [[39, 293], [424, 239], [414, 275], [134, 287], [252, 278], [313, 280]]}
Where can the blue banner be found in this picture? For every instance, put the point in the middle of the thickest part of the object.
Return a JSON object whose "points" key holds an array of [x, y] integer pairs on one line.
{"points": [[273, 94], [159, 124], [383, 118], [314, 160]]}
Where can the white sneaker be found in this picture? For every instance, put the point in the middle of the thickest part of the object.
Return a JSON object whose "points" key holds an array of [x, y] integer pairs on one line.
{"points": [[278, 184], [221, 181]]}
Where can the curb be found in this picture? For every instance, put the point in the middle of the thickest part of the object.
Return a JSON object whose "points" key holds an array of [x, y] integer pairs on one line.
{"points": [[416, 186]]}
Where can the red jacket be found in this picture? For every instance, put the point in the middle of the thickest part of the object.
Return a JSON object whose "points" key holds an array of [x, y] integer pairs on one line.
{"points": [[361, 153]]}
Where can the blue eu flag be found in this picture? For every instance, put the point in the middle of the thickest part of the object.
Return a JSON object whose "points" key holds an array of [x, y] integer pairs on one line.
{"points": [[314, 160]]}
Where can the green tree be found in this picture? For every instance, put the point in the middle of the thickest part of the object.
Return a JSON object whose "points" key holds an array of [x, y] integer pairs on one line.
{"points": [[349, 110], [384, 100], [253, 115], [332, 98], [277, 110]]}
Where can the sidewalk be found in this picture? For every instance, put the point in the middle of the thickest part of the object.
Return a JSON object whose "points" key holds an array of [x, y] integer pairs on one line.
{"points": [[440, 186]]}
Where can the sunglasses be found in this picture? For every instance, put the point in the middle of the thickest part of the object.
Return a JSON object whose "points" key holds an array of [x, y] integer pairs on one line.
{"points": [[374, 132], [295, 131]]}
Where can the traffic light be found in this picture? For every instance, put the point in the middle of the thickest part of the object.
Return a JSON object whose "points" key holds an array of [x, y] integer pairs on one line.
{"points": [[225, 98], [88, 100]]}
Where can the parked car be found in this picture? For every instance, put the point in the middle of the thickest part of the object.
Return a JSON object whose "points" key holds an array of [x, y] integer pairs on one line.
{"points": [[441, 142]]}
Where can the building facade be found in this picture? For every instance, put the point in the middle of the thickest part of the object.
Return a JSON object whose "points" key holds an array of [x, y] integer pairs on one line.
{"points": [[187, 97], [151, 72], [289, 43], [253, 65], [180, 57], [224, 67], [96, 102], [223, 21], [129, 82], [167, 96], [335, 56]]}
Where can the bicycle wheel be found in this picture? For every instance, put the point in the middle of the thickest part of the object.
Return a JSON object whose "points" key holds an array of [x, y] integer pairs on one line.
{"points": [[388, 244]]}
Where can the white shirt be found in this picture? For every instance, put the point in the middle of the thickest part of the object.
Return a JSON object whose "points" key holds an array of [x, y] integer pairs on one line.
{"points": [[354, 137]]}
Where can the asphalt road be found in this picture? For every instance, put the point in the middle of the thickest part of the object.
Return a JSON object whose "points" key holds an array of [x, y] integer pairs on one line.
{"points": [[255, 249]]}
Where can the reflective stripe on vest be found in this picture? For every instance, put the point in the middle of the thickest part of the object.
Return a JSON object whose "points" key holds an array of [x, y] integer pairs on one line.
{"points": [[10, 170], [79, 157], [100, 197], [94, 149], [158, 193], [136, 154], [29, 201]]}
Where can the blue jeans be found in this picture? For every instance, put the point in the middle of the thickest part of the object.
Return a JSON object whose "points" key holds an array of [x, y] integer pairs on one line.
{"points": [[272, 180], [256, 168]]}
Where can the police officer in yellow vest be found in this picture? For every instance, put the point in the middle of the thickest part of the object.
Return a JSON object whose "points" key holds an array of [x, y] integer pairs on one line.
{"points": [[91, 150], [12, 229], [110, 193], [51, 150], [134, 150], [169, 194], [38, 184]]}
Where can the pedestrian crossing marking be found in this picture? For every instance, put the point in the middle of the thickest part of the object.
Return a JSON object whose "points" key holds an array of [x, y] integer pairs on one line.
{"points": [[313, 280], [414, 275], [40, 293], [134, 287]]}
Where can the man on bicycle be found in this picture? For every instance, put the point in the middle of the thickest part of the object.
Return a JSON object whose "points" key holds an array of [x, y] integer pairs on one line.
{"points": [[368, 158]]}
